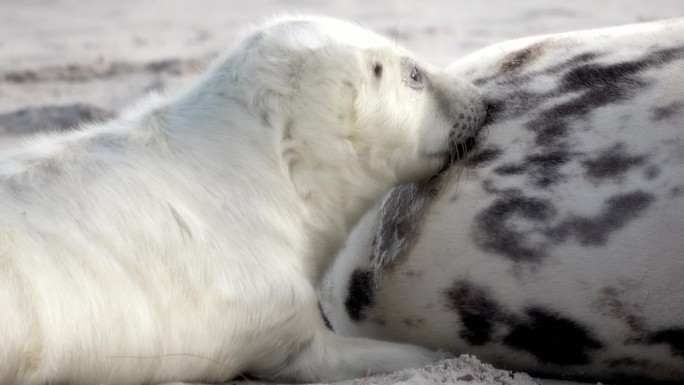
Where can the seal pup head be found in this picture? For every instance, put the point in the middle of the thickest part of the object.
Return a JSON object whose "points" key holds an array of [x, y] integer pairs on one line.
{"points": [[336, 93]]}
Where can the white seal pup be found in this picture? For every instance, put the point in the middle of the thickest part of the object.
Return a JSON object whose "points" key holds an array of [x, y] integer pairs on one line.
{"points": [[184, 240]]}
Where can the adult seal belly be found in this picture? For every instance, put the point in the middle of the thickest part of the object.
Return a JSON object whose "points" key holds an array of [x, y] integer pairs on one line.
{"points": [[556, 247]]}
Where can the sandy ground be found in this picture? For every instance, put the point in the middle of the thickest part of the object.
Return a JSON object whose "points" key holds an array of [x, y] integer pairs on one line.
{"points": [[464, 370], [64, 61]]}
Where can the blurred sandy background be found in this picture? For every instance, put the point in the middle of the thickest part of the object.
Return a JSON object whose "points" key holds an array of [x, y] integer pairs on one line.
{"points": [[106, 53], [62, 61]]}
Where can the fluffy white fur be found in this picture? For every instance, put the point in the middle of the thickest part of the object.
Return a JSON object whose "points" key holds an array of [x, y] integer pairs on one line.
{"points": [[184, 240]]}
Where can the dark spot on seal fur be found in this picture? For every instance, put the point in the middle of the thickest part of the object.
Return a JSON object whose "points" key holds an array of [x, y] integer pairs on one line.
{"points": [[520, 228], [598, 85], [616, 213], [667, 111], [611, 163], [628, 362], [518, 60], [360, 295], [476, 309], [610, 304], [551, 126], [511, 169], [665, 55], [493, 232], [615, 76], [548, 159], [553, 339], [673, 337], [543, 168], [553, 123], [676, 191], [516, 104], [547, 335], [484, 157], [494, 109], [651, 172]]}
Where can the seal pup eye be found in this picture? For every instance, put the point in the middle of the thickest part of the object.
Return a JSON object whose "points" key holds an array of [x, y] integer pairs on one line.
{"points": [[377, 70], [412, 76]]}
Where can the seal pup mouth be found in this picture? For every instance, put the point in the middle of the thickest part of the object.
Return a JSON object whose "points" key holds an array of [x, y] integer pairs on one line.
{"points": [[460, 148]]}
